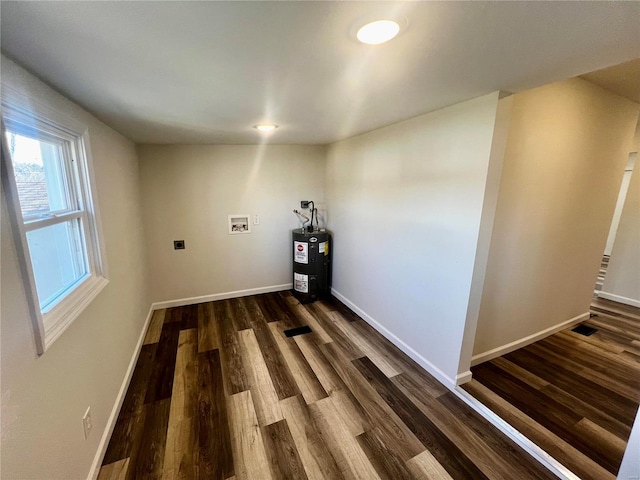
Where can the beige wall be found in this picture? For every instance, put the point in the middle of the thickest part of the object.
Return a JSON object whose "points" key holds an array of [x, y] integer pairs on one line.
{"points": [[405, 204], [44, 398], [566, 150], [188, 193]]}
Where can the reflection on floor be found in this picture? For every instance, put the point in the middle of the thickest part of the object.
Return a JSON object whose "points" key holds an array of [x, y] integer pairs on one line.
{"points": [[575, 396]]}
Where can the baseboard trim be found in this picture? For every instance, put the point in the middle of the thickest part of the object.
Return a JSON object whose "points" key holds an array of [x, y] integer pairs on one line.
{"points": [[180, 302], [523, 342], [115, 411], [619, 299], [524, 442], [398, 342], [463, 378]]}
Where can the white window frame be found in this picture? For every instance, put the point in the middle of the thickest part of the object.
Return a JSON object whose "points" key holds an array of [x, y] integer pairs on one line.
{"points": [[21, 115]]}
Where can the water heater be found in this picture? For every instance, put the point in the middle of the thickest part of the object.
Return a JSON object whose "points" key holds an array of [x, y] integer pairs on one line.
{"points": [[311, 264]]}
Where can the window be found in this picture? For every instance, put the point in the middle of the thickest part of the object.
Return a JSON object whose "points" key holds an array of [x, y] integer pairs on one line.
{"points": [[46, 173]]}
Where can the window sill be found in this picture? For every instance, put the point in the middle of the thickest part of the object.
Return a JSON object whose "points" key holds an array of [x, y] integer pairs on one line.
{"points": [[60, 317]]}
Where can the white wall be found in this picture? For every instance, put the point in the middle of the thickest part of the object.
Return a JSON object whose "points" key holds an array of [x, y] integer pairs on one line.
{"points": [[405, 204], [622, 281], [566, 151], [44, 398], [188, 192], [622, 196], [630, 466]]}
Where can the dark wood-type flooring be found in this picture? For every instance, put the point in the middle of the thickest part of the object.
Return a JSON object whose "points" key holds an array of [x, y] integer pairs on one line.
{"points": [[574, 396], [220, 392]]}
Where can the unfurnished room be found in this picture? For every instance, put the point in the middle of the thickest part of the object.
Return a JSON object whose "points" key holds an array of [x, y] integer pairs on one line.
{"points": [[275, 240]]}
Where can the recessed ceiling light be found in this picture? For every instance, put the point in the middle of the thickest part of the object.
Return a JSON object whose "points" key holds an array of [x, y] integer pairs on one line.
{"points": [[265, 127], [378, 32]]}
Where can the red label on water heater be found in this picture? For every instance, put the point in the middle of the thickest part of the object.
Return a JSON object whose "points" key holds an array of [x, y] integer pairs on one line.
{"points": [[300, 252]]}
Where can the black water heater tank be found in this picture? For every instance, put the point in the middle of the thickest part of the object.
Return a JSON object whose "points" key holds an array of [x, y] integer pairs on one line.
{"points": [[311, 264]]}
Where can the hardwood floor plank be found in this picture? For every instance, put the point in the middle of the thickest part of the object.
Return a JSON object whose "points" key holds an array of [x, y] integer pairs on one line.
{"points": [[393, 430], [305, 318], [262, 390], [586, 410], [129, 419], [332, 303], [181, 450], [386, 463], [363, 344], [281, 450], [250, 457], [307, 382], [235, 380], [276, 309], [161, 381], [576, 461], [114, 471], [350, 411], [315, 456], [597, 341], [173, 315], [279, 372], [235, 309], [492, 454], [339, 338], [323, 370], [624, 328], [442, 448], [610, 402], [208, 328], [518, 393], [147, 460], [614, 447], [570, 340], [615, 378], [350, 458], [615, 307], [507, 458], [521, 373], [155, 327], [425, 467], [215, 454], [189, 317]]}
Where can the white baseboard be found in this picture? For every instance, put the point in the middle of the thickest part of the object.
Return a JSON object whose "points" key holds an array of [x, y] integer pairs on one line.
{"points": [[619, 299], [463, 378], [423, 362], [525, 443], [115, 411], [523, 342], [180, 302]]}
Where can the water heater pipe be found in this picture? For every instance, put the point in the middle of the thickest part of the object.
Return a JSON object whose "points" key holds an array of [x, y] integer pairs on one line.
{"points": [[299, 214]]}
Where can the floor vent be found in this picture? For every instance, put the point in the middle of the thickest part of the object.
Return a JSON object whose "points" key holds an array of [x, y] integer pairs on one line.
{"points": [[584, 330], [297, 331]]}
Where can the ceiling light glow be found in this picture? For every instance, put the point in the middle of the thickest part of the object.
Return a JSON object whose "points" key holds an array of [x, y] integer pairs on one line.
{"points": [[265, 127], [375, 33]]}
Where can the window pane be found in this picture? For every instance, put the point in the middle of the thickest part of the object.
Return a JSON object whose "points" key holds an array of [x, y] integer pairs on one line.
{"points": [[40, 175], [58, 258]]}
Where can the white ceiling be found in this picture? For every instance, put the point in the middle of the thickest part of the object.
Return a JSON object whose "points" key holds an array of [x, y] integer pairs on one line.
{"points": [[205, 72]]}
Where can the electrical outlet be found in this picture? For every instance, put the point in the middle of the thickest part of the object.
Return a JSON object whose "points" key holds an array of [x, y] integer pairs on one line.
{"points": [[86, 423], [256, 219], [178, 245]]}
